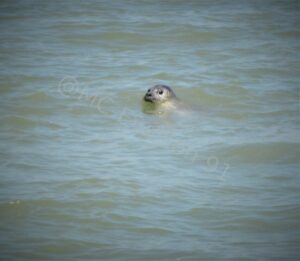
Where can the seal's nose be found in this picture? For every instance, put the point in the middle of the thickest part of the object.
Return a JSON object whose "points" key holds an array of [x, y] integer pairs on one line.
{"points": [[148, 96]]}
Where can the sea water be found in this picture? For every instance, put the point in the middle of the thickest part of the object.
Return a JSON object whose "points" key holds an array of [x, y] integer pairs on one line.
{"points": [[86, 174]]}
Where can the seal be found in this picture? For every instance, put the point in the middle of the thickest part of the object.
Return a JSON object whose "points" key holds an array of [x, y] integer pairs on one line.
{"points": [[159, 94]]}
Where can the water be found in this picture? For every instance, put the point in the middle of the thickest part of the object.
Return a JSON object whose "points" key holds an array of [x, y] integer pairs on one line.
{"points": [[87, 175]]}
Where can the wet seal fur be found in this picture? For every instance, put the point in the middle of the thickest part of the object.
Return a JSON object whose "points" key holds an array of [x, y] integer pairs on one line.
{"points": [[160, 99], [159, 94]]}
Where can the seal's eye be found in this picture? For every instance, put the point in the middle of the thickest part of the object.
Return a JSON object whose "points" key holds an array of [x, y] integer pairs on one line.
{"points": [[160, 92]]}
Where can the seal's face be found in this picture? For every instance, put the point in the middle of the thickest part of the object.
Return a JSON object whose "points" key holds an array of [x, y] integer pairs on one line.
{"points": [[159, 94]]}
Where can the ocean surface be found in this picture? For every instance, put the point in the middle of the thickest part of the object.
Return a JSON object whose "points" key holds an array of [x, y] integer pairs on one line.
{"points": [[86, 173]]}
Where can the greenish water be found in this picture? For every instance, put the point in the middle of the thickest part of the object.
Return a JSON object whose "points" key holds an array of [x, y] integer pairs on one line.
{"points": [[86, 174]]}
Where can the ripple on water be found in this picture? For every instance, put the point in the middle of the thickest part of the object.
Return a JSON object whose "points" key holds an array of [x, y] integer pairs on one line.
{"points": [[17, 121], [261, 153], [86, 175], [39, 96], [20, 124]]}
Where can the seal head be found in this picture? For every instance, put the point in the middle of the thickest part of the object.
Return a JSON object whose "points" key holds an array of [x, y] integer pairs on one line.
{"points": [[159, 94]]}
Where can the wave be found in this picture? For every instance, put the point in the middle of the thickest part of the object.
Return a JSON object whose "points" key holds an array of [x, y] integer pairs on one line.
{"points": [[24, 122], [38, 96], [254, 153]]}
